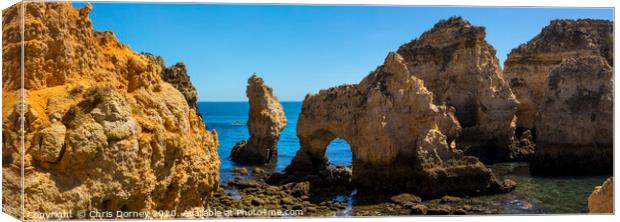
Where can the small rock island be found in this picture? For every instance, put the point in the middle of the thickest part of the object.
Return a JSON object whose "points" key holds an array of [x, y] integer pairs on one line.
{"points": [[265, 124]]}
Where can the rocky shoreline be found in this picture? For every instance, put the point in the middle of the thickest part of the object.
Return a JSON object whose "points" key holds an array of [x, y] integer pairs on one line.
{"points": [[330, 194], [109, 129]]}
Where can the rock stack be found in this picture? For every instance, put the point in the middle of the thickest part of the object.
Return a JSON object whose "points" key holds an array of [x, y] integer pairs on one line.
{"points": [[460, 68], [398, 136], [104, 130], [265, 124], [563, 79]]}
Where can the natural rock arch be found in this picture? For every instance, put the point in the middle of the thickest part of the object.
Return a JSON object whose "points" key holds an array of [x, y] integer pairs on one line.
{"points": [[398, 137]]}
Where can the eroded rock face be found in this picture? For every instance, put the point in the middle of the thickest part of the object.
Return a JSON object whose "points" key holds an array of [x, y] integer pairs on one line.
{"points": [[575, 127], [104, 131], [398, 136], [265, 124], [178, 77], [602, 198], [460, 68], [527, 67]]}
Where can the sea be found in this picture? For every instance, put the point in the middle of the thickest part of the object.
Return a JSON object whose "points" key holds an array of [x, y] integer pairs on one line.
{"points": [[533, 195]]}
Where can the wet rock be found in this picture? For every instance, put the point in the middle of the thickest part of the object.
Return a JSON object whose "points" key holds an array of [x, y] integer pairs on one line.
{"points": [[301, 189], [405, 198], [266, 122], [419, 209], [450, 199], [509, 184], [439, 210], [602, 198], [240, 170]]}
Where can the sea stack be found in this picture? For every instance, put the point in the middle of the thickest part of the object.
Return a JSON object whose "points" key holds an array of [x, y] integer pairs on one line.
{"points": [[398, 137], [104, 130], [460, 68], [563, 79], [265, 124], [602, 198]]}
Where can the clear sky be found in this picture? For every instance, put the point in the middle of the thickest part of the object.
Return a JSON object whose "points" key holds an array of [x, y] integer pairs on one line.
{"points": [[299, 49]]}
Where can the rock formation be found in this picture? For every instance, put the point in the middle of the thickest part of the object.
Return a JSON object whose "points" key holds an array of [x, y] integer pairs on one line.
{"points": [[575, 125], [564, 83], [103, 130], [398, 137], [602, 198], [527, 67], [266, 121], [460, 68]]}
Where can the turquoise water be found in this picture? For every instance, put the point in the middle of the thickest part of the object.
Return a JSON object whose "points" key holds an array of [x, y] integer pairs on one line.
{"points": [[533, 195], [221, 116]]}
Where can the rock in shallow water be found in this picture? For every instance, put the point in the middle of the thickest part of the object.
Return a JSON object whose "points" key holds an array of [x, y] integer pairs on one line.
{"points": [[602, 198], [398, 136], [266, 122]]}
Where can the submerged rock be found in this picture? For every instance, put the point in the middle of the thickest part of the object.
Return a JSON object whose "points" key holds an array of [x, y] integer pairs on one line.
{"points": [[398, 136], [104, 131], [602, 198], [575, 127], [266, 122], [460, 68]]}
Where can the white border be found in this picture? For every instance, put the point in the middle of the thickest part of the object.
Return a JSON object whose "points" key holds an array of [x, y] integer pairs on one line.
{"points": [[518, 3]]}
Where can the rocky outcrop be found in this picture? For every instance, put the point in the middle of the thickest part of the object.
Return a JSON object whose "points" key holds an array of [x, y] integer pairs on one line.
{"points": [[266, 122], [564, 81], [527, 67], [460, 68], [575, 127], [398, 137], [177, 76], [602, 198], [103, 130]]}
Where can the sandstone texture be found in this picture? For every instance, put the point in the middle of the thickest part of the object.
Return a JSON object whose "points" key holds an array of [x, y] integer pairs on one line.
{"points": [[528, 66], [575, 127], [563, 79], [265, 124], [103, 129], [460, 68], [602, 198], [398, 137]]}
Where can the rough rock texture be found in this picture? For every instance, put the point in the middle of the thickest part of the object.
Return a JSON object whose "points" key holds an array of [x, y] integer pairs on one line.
{"points": [[602, 198], [266, 121], [398, 137], [460, 68], [527, 67], [178, 77], [104, 131], [575, 127]]}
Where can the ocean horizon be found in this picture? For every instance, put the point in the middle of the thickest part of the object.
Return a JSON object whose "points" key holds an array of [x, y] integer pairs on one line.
{"points": [[229, 119], [533, 195]]}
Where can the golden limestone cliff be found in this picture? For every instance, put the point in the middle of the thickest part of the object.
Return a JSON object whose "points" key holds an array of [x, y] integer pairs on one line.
{"points": [[399, 139], [460, 68], [563, 79], [103, 130]]}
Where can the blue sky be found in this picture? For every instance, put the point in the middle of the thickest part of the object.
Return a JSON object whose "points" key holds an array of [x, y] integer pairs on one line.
{"points": [[299, 49]]}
